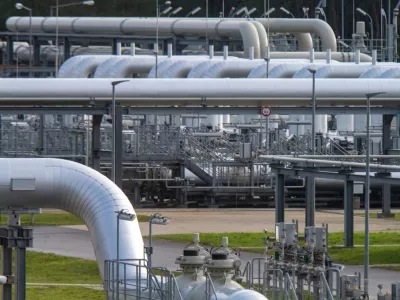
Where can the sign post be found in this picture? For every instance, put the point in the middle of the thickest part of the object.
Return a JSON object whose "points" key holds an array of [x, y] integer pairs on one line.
{"points": [[266, 111]]}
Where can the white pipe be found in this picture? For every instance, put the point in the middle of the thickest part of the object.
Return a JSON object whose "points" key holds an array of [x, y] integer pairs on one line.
{"points": [[357, 57], [251, 53], [211, 51], [226, 49], [374, 57], [312, 55], [168, 26], [313, 26], [338, 56], [80, 190], [118, 49], [328, 56], [170, 50], [233, 68], [392, 73], [378, 71], [219, 91], [133, 49]]}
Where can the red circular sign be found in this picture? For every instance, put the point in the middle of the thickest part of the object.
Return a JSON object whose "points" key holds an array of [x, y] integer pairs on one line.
{"points": [[266, 111]]}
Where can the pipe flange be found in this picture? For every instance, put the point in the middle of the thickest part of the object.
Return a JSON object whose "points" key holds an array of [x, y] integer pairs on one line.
{"points": [[173, 26], [121, 29], [73, 26]]}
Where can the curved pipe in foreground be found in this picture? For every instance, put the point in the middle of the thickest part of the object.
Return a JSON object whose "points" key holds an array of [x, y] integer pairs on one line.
{"points": [[392, 73], [66, 185], [233, 69], [81, 66], [376, 72], [319, 27]]}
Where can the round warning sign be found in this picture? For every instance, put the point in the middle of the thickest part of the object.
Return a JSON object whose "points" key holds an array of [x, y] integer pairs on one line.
{"points": [[266, 111]]}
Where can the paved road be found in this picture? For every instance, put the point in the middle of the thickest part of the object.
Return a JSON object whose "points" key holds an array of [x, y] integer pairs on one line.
{"points": [[76, 243]]}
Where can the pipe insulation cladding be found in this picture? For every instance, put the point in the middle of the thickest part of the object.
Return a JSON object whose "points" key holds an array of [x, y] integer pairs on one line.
{"points": [[80, 190], [180, 26], [241, 92]]}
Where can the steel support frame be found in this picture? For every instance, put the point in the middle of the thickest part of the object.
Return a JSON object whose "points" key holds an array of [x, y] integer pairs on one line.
{"points": [[20, 285], [119, 150], [310, 201], [349, 213], [96, 143], [386, 146], [7, 271], [280, 198], [67, 48], [386, 200]]}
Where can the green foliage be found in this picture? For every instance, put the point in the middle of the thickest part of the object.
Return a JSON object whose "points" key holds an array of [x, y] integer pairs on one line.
{"points": [[253, 242], [63, 293], [51, 268], [47, 219], [56, 219]]}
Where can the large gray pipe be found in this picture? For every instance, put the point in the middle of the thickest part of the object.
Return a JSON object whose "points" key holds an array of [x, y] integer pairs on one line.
{"points": [[316, 26], [213, 28], [146, 26], [80, 190], [169, 92]]}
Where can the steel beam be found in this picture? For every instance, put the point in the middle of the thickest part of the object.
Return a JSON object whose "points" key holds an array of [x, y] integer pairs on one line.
{"points": [[7, 271], [386, 199], [67, 48], [348, 213], [41, 134], [20, 285], [36, 52], [119, 149], [10, 50], [336, 175], [96, 143], [280, 198], [310, 201], [386, 141], [255, 110]]}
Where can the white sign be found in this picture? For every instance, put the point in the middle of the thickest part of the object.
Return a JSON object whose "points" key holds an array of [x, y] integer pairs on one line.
{"points": [[266, 111]]}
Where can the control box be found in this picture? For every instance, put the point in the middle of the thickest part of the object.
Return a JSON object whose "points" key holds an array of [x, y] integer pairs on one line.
{"points": [[396, 291], [316, 238], [286, 233], [350, 287]]}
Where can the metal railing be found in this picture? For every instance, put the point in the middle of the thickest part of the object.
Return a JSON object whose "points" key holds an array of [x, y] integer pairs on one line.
{"points": [[137, 281], [210, 288]]}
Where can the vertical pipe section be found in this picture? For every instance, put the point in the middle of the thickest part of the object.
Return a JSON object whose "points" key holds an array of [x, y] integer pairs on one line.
{"points": [[226, 52], [119, 150], [7, 271], [310, 201], [20, 286], [133, 49], [348, 214], [211, 51], [280, 198], [366, 203]]}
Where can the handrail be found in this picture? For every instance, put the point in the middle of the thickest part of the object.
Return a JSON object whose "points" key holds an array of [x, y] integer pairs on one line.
{"points": [[209, 283], [290, 283], [328, 290]]}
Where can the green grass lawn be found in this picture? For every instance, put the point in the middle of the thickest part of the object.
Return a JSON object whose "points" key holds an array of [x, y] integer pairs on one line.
{"points": [[375, 216], [55, 219], [51, 268], [63, 293], [391, 268], [253, 242]]}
